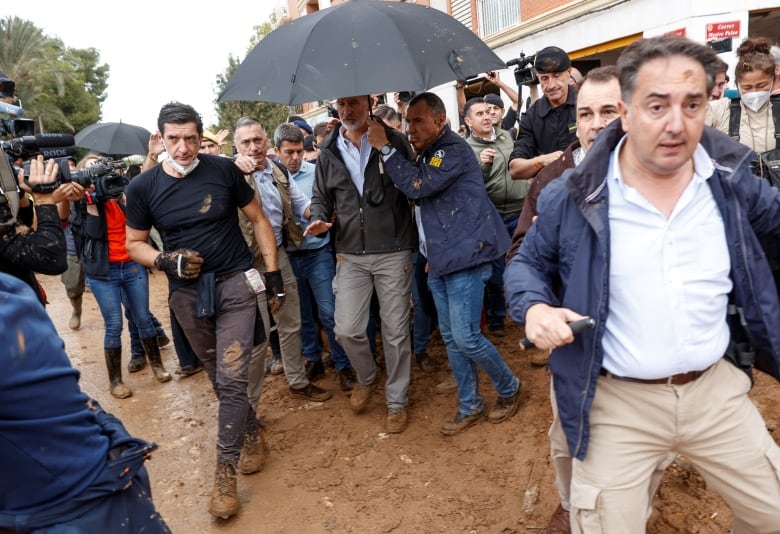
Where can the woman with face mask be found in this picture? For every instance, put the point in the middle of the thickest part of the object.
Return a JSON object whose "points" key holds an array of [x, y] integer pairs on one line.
{"points": [[755, 72]]}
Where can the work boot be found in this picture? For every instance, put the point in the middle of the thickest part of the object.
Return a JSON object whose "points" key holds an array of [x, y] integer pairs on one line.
{"points": [[114, 365], [461, 422], [426, 363], [311, 392], [360, 397], [396, 419], [75, 318], [152, 350], [136, 363], [253, 454], [162, 339], [314, 370], [347, 380], [224, 497], [559, 522], [505, 407]]}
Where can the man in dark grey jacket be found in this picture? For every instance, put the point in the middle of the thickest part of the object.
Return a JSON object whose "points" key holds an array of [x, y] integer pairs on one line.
{"points": [[374, 238]]}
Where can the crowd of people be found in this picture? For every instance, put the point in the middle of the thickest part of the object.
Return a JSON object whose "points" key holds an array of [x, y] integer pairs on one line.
{"points": [[610, 197]]}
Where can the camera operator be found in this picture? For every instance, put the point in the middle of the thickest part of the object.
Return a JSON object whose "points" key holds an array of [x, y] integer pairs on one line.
{"points": [[33, 246], [550, 124]]}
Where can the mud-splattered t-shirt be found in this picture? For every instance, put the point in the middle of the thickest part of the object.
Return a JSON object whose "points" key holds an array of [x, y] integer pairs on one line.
{"points": [[198, 212]]}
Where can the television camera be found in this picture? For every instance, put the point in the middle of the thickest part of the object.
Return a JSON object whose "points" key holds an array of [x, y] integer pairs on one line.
{"points": [[525, 74], [103, 174]]}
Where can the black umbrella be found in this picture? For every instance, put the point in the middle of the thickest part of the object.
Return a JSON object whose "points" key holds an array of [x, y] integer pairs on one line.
{"points": [[114, 138], [358, 48]]}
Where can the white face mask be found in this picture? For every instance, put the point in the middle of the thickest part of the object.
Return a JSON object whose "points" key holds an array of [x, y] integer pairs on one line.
{"points": [[755, 100], [178, 167]]}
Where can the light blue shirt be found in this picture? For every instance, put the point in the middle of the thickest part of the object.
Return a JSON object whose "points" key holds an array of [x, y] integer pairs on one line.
{"points": [[354, 159], [669, 279], [272, 201], [304, 179]]}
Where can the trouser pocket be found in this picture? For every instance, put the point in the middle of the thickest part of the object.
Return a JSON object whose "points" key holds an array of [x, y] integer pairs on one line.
{"points": [[585, 514]]}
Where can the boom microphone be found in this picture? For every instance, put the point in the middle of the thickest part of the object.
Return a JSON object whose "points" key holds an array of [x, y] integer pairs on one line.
{"points": [[32, 143]]}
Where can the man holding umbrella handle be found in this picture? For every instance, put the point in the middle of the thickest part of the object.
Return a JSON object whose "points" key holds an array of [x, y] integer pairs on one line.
{"points": [[375, 236]]}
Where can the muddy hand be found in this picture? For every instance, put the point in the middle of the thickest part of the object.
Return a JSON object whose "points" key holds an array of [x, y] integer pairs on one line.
{"points": [[181, 263], [274, 290]]}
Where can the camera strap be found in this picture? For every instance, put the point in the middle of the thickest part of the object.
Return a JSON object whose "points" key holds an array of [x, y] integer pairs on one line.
{"points": [[9, 189]]}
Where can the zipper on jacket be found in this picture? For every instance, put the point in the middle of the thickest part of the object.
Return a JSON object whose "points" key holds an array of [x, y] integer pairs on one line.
{"points": [[362, 231]]}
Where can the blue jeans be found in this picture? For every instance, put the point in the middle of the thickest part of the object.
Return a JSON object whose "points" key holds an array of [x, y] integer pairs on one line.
{"points": [[458, 297], [314, 270], [131, 279], [495, 305], [424, 318], [136, 349]]}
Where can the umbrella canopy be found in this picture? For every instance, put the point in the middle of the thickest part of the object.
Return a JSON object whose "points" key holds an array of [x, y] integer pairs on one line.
{"points": [[114, 138], [358, 48]]}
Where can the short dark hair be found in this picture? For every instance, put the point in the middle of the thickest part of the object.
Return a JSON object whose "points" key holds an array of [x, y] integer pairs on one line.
{"points": [[601, 75], [287, 131], [644, 50], [386, 113], [471, 103], [320, 129], [432, 100], [178, 113]]}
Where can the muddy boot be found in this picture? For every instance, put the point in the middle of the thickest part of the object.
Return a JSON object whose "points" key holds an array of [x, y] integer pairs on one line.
{"points": [[114, 365], [75, 318], [224, 497], [152, 350], [253, 454]]}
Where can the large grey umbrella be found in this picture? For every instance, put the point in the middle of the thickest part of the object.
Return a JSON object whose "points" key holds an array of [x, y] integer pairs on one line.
{"points": [[114, 138], [358, 48]]}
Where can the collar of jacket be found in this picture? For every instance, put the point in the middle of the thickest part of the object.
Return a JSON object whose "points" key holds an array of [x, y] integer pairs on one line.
{"points": [[500, 136], [587, 181], [544, 103]]}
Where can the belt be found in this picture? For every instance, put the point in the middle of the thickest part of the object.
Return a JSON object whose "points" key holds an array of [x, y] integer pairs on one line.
{"points": [[674, 380], [306, 251], [223, 277]]}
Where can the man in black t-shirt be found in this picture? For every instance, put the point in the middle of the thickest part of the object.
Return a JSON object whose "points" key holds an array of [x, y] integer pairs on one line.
{"points": [[193, 201]]}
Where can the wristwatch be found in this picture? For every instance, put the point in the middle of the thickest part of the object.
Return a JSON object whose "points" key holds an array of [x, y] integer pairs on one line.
{"points": [[385, 150]]}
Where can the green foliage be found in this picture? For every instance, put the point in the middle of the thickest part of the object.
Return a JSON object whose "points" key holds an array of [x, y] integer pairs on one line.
{"points": [[270, 115], [60, 88]]}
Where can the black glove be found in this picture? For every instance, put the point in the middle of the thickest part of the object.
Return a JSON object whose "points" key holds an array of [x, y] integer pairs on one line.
{"points": [[182, 263], [274, 290]]}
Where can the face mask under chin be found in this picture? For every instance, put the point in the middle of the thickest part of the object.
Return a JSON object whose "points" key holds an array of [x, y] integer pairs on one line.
{"points": [[182, 169]]}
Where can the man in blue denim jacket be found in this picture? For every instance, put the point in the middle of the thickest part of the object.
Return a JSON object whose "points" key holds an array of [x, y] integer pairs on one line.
{"points": [[463, 233]]}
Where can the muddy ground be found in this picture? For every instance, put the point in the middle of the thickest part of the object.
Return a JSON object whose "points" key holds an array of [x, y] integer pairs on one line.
{"points": [[330, 471]]}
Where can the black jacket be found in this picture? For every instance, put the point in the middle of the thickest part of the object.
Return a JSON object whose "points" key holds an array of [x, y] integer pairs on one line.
{"points": [[364, 224]]}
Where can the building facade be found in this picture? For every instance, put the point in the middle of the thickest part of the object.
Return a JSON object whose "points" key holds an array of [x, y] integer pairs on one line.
{"points": [[593, 32]]}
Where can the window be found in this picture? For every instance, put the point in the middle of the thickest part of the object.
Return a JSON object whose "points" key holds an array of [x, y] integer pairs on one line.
{"points": [[495, 15]]}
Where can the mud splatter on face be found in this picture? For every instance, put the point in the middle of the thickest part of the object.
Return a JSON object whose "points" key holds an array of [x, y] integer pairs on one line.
{"points": [[206, 206]]}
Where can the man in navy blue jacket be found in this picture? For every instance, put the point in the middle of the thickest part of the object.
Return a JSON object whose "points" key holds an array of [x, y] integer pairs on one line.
{"points": [[463, 233], [67, 465], [654, 236]]}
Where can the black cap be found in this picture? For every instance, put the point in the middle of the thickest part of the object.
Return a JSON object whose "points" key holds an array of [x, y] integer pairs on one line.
{"points": [[551, 59], [494, 99]]}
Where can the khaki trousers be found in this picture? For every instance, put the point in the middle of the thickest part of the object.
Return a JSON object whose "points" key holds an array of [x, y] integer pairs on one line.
{"points": [[711, 422]]}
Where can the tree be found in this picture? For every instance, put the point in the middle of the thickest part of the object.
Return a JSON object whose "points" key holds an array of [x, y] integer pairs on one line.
{"points": [[270, 115], [60, 88]]}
